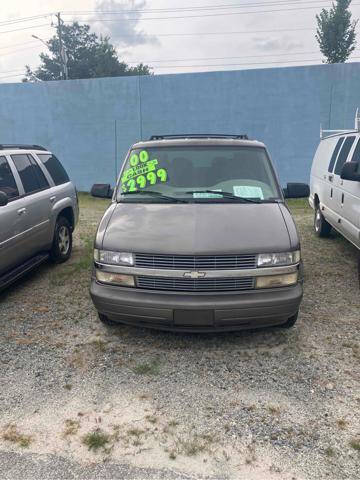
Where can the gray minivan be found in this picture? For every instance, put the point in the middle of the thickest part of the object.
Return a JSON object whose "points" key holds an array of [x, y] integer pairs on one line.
{"points": [[198, 238]]}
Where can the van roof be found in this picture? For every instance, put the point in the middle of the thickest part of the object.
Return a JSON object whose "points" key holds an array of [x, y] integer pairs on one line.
{"points": [[198, 141]]}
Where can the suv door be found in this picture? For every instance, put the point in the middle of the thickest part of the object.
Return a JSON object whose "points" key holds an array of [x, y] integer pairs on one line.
{"points": [[37, 196], [13, 247], [341, 199]]}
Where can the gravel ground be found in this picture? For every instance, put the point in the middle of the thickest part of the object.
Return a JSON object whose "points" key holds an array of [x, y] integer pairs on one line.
{"points": [[79, 400]]}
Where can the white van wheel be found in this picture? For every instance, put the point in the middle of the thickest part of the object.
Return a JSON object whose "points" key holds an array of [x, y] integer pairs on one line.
{"points": [[321, 226]]}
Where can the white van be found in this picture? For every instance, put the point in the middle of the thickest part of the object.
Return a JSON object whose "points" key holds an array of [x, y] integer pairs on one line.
{"points": [[335, 184]]}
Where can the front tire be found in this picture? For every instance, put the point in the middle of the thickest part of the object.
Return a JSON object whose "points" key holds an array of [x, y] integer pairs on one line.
{"points": [[321, 226], [62, 243]]}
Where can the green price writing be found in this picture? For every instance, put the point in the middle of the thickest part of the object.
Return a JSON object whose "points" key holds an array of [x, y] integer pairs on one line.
{"points": [[142, 181], [143, 172]]}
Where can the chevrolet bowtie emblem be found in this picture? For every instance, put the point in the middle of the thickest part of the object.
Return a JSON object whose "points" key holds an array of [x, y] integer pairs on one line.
{"points": [[194, 275]]}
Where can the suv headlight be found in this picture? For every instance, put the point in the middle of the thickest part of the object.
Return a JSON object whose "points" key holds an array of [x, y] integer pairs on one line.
{"points": [[113, 258], [278, 259]]}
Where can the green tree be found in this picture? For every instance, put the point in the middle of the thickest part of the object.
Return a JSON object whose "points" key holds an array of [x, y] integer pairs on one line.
{"points": [[336, 32], [88, 56]]}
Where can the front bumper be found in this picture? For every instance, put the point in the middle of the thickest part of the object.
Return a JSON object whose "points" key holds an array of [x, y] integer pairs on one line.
{"points": [[189, 312]]}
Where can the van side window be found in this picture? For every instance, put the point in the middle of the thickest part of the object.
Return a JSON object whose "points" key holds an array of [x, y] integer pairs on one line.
{"points": [[7, 180], [335, 154], [344, 154], [356, 154]]}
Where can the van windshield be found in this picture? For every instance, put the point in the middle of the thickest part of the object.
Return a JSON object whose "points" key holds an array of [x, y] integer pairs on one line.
{"points": [[205, 174]]}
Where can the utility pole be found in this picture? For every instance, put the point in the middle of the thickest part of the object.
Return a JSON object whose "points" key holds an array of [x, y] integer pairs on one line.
{"points": [[63, 56]]}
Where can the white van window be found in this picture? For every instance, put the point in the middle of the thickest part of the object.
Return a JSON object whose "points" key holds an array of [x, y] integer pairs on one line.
{"points": [[335, 154], [356, 154], [344, 154]]}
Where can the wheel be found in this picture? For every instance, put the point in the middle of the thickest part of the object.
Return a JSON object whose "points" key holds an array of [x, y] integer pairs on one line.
{"points": [[62, 243], [106, 321], [321, 226], [290, 321]]}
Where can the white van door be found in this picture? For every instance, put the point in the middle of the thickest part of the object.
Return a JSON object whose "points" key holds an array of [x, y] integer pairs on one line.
{"points": [[343, 196], [350, 201], [328, 198]]}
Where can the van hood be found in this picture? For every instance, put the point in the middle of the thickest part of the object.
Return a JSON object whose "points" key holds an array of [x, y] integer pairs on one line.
{"points": [[199, 229]]}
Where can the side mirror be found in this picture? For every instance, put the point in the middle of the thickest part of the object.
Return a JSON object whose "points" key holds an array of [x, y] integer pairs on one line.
{"points": [[3, 199], [102, 190], [296, 190], [350, 171]]}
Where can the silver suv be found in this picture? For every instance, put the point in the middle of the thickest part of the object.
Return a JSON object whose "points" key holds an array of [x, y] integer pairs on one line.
{"points": [[38, 210]]}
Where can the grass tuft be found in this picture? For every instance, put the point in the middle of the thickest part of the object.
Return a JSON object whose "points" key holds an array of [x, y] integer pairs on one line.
{"points": [[11, 434], [95, 440], [355, 444], [71, 427], [147, 368]]}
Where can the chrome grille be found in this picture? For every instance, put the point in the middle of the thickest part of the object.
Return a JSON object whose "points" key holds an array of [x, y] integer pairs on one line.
{"points": [[200, 285], [195, 262]]}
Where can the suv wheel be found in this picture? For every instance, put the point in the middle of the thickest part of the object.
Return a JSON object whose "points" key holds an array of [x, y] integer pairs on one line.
{"points": [[321, 226], [291, 321], [62, 243], [106, 321]]}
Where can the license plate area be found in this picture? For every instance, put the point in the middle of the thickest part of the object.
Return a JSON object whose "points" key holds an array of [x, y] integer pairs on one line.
{"points": [[198, 318]]}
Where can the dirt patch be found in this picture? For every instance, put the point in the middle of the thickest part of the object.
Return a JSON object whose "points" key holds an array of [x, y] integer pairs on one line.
{"points": [[265, 404]]}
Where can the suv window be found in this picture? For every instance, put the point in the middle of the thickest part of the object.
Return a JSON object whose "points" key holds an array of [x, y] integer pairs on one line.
{"points": [[335, 154], [31, 176], [7, 180], [344, 154], [39, 173], [54, 167]]}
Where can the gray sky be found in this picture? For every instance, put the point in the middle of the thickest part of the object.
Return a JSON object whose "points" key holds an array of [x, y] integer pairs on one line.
{"points": [[154, 38]]}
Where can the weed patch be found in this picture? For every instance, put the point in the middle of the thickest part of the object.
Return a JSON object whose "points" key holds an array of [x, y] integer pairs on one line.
{"points": [[95, 440], [11, 434], [147, 368]]}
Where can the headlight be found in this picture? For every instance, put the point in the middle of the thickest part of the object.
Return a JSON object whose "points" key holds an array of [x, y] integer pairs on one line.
{"points": [[115, 278], [113, 258], [271, 281], [278, 259]]}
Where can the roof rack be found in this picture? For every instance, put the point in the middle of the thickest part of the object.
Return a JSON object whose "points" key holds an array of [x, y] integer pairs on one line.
{"points": [[199, 135], [356, 128], [16, 146]]}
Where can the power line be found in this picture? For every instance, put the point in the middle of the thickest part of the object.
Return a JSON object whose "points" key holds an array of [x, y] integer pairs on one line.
{"points": [[24, 19], [225, 58], [19, 50], [137, 19], [11, 76], [11, 71], [17, 45], [27, 28], [243, 64], [178, 9], [184, 9]]}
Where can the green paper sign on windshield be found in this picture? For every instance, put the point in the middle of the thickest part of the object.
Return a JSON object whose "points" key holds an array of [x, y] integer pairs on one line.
{"points": [[142, 172]]}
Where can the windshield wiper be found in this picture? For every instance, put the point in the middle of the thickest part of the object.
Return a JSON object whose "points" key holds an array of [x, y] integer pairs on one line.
{"points": [[155, 194], [226, 195]]}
